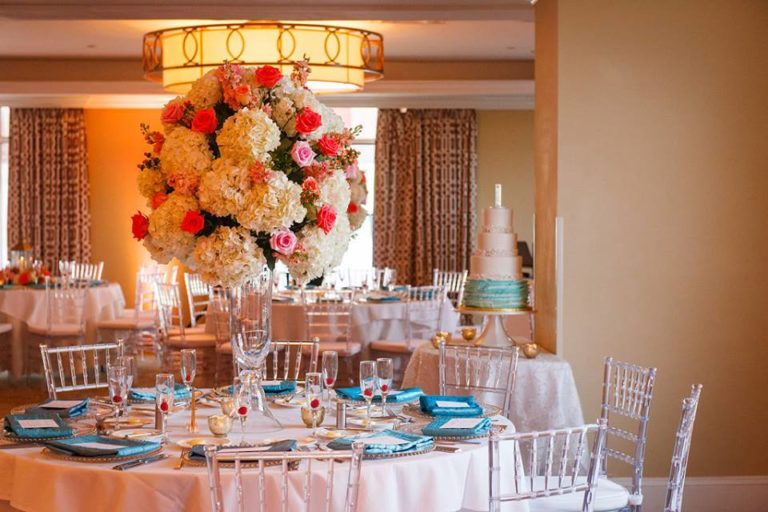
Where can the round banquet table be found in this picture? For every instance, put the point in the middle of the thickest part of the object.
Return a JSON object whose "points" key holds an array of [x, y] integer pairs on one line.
{"points": [[437, 481], [545, 395], [26, 306]]}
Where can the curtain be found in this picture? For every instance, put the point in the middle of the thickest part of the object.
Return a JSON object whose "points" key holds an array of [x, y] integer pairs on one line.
{"points": [[425, 192], [48, 184]]}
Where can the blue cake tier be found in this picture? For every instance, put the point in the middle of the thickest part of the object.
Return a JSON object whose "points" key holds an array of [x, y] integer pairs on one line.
{"points": [[493, 294]]}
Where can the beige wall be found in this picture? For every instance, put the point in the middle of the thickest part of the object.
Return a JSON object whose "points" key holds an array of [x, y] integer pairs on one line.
{"points": [[505, 155], [663, 188]]}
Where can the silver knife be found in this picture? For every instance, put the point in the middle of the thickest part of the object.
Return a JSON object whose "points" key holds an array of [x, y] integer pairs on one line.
{"points": [[140, 462]]}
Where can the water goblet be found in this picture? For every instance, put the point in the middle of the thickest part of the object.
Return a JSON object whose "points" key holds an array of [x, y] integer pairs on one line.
{"points": [[117, 378], [384, 375], [368, 385], [188, 370], [330, 371], [164, 396], [314, 389]]}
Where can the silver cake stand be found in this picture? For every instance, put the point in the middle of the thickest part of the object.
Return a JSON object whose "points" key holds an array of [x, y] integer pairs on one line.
{"points": [[494, 334]]}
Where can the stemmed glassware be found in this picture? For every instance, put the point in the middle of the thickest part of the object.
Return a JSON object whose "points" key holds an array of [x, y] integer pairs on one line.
{"points": [[384, 375], [242, 395], [164, 396], [368, 385], [330, 371], [117, 378], [314, 384], [188, 370]]}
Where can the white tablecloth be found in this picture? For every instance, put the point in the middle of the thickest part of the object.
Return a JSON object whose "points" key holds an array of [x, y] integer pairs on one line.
{"points": [[544, 397], [26, 306], [435, 482]]}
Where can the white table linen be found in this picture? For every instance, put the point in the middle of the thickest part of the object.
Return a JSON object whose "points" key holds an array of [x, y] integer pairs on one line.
{"points": [[33, 482], [545, 395], [26, 306]]}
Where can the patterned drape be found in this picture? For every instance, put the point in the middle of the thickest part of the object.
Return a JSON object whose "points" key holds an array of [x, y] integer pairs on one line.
{"points": [[426, 165], [48, 184]]}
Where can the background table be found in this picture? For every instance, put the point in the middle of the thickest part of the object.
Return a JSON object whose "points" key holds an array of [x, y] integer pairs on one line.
{"points": [[545, 395], [25, 306], [438, 481]]}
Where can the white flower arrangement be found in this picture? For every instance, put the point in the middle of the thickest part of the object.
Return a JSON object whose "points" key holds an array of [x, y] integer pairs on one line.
{"points": [[248, 136], [228, 256], [185, 151], [224, 190], [273, 205]]}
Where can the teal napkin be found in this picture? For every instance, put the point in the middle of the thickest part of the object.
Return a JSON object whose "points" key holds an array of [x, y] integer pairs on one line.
{"points": [[429, 405], [436, 428], [120, 447], [394, 397], [413, 442], [287, 445], [383, 298], [71, 412], [12, 424], [180, 392], [281, 388]]}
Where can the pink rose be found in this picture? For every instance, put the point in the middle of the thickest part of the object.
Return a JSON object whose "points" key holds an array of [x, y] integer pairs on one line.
{"points": [[283, 242], [326, 218], [351, 171], [173, 112], [302, 153]]}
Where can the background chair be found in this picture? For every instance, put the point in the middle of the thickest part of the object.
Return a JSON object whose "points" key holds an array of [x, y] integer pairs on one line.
{"points": [[285, 360], [679, 466], [76, 368], [198, 297], [331, 324], [485, 371], [142, 318], [453, 282], [298, 480]]}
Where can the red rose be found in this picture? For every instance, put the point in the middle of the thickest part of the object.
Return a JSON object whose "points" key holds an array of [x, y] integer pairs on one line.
{"points": [[164, 406], [205, 121], [242, 411], [24, 279], [307, 121], [326, 218], [117, 399], [384, 388], [352, 208], [193, 222], [368, 392], [328, 146], [267, 76], [329, 381], [315, 403], [139, 225]]}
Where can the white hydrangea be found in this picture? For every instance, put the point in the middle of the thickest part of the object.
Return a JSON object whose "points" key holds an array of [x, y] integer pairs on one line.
{"points": [[273, 205], [165, 226], [303, 98], [317, 255], [332, 122], [223, 190], [162, 256], [150, 182], [334, 190], [185, 151], [228, 257], [339, 240], [248, 135], [205, 92]]}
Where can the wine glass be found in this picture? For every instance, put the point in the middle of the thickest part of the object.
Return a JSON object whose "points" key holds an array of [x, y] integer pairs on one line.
{"points": [[117, 378], [330, 371], [314, 385], [384, 374], [164, 396], [188, 369], [130, 367], [242, 395], [368, 385]]}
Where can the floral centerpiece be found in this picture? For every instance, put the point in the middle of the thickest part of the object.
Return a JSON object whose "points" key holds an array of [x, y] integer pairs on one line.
{"points": [[250, 169], [29, 276]]}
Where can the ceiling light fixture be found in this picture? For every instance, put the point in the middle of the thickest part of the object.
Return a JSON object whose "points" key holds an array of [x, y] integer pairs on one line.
{"points": [[342, 59]]}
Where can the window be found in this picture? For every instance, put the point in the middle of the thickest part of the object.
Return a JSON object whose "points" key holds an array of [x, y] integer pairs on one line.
{"points": [[5, 117]]}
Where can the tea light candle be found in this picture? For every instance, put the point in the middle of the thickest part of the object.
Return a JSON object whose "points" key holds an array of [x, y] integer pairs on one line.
{"points": [[219, 424]]}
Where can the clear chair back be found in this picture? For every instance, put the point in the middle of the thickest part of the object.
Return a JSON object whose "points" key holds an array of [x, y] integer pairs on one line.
{"points": [[198, 296], [626, 405], [77, 367], [144, 300], [169, 307], [488, 373], [305, 480], [65, 303], [424, 312], [676, 483], [452, 281], [286, 360], [328, 322], [544, 464], [358, 278], [218, 313], [383, 278]]}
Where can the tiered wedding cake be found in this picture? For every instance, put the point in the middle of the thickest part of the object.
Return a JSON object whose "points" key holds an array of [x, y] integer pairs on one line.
{"points": [[495, 269]]}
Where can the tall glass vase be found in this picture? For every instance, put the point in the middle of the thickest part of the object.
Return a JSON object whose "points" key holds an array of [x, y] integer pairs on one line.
{"points": [[251, 334]]}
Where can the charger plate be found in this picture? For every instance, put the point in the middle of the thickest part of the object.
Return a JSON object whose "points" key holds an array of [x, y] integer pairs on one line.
{"points": [[99, 460], [412, 428], [399, 455], [414, 410]]}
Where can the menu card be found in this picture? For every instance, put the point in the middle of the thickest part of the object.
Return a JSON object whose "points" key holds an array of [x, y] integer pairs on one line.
{"points": [[384, 439], [44, 423], [99, 446], [61, 404], [460, 423], [450, 404]]}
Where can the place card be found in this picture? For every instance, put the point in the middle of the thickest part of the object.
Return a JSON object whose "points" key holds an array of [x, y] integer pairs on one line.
{"points": [[99, 446], [462, 423], [44, 423], [271, 382], [451, 404], [384, 439], [61, 404]]}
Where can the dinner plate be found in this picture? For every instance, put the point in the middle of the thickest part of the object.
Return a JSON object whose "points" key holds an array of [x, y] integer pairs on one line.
{"points": [[294, 401], [128, 421], [208, 440], [99, 460], [332, 433], [141, 434]]}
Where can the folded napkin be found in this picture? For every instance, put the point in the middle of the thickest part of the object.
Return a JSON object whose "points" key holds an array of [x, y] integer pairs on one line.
{"points": [[394, 397], [180, 392], [457, 427], [382, 298], [64, 408], [15, 423], [384, 442], [287, 445], [99, 446], [439, 405], [273, 387]]}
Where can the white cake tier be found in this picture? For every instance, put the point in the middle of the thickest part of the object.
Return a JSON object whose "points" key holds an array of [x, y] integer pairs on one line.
{"points": [[497, 244], [497, 220], [495, 267]]}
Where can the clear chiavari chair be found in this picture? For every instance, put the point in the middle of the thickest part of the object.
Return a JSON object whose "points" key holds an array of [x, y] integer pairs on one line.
{"points": [[218, 314], [142, 318], [547, 468], [626, 405], [77, 367], [285, 360], [486, 372], [453, 283], [383, 278], [65, 310], [331, 324], [359, 278], [679, 466], [198, 297], [308, 478]]}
